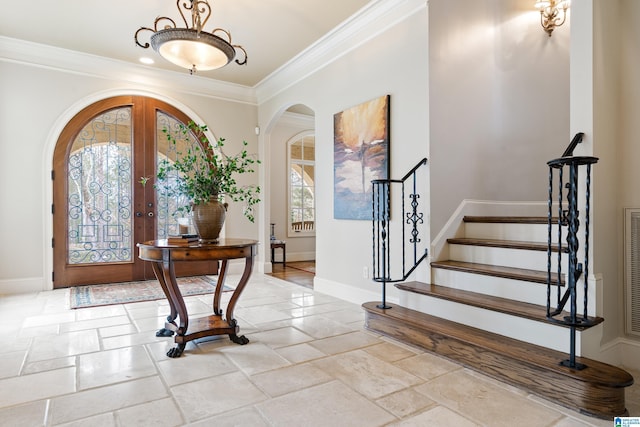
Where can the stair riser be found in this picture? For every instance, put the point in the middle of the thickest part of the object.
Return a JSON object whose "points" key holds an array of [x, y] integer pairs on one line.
{"points": [[518, 258], [510, 231], [538, 333], [534, 293]]}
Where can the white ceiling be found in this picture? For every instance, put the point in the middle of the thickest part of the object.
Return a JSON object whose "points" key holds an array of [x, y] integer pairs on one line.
{"points": [[272, 31]]}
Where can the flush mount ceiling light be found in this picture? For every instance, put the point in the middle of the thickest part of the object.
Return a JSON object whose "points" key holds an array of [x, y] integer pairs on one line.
{"points": [[191, 47], [553, 13]]}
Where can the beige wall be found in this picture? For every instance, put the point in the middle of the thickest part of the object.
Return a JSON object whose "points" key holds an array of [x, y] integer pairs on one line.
{"points": [[499, 95], [393, 63]]}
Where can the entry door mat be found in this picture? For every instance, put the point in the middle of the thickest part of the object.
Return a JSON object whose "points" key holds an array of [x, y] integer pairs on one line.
{"points": [[128, 292]]}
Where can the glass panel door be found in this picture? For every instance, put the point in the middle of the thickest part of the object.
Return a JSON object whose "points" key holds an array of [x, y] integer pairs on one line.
{"points": [[100, 200], [100, 208], [167, 207]]}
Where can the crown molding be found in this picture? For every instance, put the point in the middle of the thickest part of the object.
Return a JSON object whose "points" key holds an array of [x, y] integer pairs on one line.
{"points": [[371, 21], [297, 119], [69, 61], [368, 23]]}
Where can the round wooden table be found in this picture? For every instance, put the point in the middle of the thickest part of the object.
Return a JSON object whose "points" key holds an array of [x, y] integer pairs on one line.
{"points": [[164, 255]]}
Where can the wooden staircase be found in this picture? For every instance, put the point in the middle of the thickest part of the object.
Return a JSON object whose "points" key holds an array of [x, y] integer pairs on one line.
{"points": [[487, 312]]}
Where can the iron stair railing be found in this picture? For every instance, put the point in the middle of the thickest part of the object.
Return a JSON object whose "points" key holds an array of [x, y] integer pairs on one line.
{"points": [[569, 219], [412, 250]]}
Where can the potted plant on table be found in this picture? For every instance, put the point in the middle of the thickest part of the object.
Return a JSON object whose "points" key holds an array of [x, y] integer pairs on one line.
{"points": [[206, 177]]}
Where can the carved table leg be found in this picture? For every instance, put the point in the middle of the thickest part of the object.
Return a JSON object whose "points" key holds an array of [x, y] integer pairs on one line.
{"points": [[176, 351], [175, 301], [248, 267], [217, 295], [165, 332]]}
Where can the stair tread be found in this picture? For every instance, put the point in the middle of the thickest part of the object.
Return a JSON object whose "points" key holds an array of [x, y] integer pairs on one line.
{"points": [[548, 359], [509, 219], [509, 244], [522, 274], [489, 302]]}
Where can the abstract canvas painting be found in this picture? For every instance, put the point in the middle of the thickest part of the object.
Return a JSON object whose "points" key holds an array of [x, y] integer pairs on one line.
{"points": [[361, 154]]}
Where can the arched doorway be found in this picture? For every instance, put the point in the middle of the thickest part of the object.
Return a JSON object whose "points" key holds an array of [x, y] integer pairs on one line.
{"points": [[292, 192], [101, 210]]}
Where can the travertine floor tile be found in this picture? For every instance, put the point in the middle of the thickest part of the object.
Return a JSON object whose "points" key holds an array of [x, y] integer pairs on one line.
{"points": [[103, 322], [110, 398], [282, 337], [319, 327], [212, 396], [29, 414], [309, 363], [194, 366], [69, 344], [49, 365], [289, 379], [245, 417], [334, 404], [102, 420], [130, 340], [29, 388], [344, 343], [438, 416], [300, 353], [113, 366], [254, 358], [11, 364], [159, 413], [49, 319], [114, 331], [260, 314], [100, 312], [572, 422], [427, 366], [389, 352], [482, 401], [366, 374], [405, 402]]}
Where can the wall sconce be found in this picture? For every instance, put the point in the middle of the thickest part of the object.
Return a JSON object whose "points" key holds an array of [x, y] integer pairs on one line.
{"points": [[553, 13]]}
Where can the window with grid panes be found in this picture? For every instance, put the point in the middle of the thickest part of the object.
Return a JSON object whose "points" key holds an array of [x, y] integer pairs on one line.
{"points": [[302, 207]]}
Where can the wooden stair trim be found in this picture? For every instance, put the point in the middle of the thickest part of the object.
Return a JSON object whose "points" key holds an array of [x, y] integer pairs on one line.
{"points": [[508, 244], [525, 310], [522, 274], [598, 390]]}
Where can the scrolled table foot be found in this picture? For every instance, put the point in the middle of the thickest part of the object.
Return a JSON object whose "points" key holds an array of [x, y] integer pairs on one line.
{"points": [[242, 340], [164, 332], [176, 351]]}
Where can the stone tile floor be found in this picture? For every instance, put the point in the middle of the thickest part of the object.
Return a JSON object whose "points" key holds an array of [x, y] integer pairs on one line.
{"points": [[309, 363]]}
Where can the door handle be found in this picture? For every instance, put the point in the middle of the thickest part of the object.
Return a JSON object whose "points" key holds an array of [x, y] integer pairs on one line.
{"points": [[138, 214]]}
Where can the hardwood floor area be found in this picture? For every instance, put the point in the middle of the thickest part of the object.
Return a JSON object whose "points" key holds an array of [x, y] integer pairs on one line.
{"points": [[299, 272]]}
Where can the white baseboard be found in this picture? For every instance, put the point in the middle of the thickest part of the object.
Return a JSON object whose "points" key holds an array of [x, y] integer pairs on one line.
{"points": [[23, 286], [622, 352], [349, 293], [298, 256]]}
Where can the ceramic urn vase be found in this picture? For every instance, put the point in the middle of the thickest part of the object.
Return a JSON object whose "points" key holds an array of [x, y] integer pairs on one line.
{"points": [[208, 219]]}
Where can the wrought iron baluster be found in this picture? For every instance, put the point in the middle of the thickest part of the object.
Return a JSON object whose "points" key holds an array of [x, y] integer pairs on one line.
{"points": [[549, 244], [561, 215], [382, 230], [586, 240], [570, 218]]}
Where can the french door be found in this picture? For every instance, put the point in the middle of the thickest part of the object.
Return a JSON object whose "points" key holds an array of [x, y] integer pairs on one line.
{"points": [[101, 209]]}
